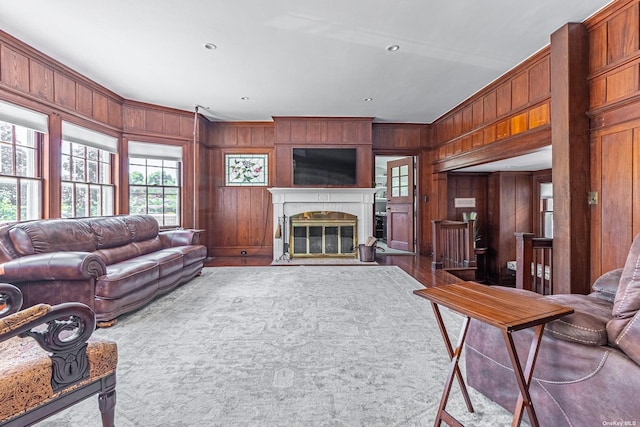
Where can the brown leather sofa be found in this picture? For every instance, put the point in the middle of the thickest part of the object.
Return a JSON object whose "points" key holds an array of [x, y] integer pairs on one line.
{"points": [[588, 367], [112, 264]]}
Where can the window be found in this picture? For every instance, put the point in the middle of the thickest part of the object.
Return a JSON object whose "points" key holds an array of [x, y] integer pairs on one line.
{"points": [[154, 181], [21, 134], [87, 186]]}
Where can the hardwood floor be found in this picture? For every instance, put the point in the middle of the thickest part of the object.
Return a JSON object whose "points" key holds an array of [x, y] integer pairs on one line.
{"points": [[419, 267]]}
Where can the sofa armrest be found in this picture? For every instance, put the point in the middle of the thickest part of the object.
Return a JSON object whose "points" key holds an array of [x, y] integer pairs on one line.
{"points": [[179, 237], [53, 266]]}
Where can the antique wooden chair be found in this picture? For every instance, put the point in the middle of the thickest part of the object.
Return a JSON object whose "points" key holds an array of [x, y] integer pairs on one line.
{"points": [[48, 363]]}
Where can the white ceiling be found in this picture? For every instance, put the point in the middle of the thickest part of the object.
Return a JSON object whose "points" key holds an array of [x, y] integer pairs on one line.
{"points": [[293, 57]]}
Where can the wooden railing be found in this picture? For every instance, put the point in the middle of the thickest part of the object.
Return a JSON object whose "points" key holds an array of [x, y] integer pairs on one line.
{"points": [[453, 244], [534, 260]]}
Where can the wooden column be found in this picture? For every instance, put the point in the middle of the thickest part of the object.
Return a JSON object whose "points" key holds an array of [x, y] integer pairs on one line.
{"points": [[570, 142]]}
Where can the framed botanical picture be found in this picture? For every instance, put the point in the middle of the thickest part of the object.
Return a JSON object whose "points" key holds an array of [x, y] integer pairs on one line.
{"points": [[246, 169]]}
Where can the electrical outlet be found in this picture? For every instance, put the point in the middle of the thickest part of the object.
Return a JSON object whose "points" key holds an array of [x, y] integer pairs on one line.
{"points": [[243, 253]]}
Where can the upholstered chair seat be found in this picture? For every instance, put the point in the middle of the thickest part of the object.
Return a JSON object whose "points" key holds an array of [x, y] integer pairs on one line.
{"points": [[48, 361]]}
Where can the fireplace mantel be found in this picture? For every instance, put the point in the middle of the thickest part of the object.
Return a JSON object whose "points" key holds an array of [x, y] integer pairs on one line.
{"points": [[291, 201]]}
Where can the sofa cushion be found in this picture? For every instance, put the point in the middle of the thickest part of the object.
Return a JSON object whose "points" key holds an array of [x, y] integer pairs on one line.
{"points": [[141, 227], [624, 328], [586, 325], [168, 262], [190, 254], [118, 254], [606, 286], [627, 301], [52, 236], [125, 277], [148, 246], [110, 231]]}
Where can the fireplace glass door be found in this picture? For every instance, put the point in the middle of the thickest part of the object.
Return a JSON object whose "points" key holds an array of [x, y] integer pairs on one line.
{"points": [[329, 236]]}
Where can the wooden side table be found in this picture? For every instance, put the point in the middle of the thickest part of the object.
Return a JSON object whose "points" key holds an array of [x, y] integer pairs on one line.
{"points": [[506, 311]]}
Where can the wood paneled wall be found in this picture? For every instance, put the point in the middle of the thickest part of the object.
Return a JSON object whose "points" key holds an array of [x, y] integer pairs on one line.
{"points": [[489, 125], [614, 86], [241, 217], [329, 132], [508, 211]]}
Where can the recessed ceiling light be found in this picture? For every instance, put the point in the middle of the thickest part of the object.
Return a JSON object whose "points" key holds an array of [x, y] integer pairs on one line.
{"points": [[368, 99], [245, 98], [393, 48], [210, 46]]}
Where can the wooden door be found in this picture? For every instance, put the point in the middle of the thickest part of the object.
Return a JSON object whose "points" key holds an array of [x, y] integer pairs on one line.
{"points": [[400, 194]]}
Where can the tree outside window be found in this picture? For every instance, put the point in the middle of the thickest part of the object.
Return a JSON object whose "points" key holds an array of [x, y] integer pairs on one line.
{"points": [[20, 186], [154, 189]]}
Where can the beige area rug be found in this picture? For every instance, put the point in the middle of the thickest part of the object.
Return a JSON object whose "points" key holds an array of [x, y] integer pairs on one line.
{"points": [[287, 346]]}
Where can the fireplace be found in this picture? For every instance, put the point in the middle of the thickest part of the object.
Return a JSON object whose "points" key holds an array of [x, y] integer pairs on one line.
{"points": [[349, 207], [326, 234]]}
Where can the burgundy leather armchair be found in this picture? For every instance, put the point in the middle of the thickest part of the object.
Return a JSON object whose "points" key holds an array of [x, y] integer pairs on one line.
{"points": [[588, 367]]}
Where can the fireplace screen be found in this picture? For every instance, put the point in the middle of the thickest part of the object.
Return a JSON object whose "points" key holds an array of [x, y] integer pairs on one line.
{"points": [[323, 234]]}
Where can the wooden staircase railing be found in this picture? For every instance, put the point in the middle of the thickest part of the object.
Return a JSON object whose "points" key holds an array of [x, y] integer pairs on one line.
{"points": [[534, 260], [453, 245]]}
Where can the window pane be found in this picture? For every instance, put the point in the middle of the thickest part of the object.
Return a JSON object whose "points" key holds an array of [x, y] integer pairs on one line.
{"points": [[6, 159], [6, 132], [82, 205], [154, 162], [78, 170], [66, 147], [95, 201], [25, 137], [25, 161], [137, 175], [67, 200], [155, 202], [66, 167], [29, 199], [77, 150], [107, 200], [170, 177], [154, 176], [105, 173], [8, 199], [92, 153], [92, 171], [137, 200]]}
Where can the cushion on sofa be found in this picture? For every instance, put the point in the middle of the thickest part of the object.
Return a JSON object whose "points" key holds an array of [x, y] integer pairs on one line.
{"points": [[52, 236], [109, 231], [190, 254], [606, 286], [148, 246], [168, 262], [586, 325], [125, 277], [142, 227], [627, 301], [118, 254], [624, 328]]}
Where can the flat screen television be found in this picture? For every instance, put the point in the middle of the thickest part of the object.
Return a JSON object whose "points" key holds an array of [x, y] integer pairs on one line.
{"points": [[324, 166]]}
